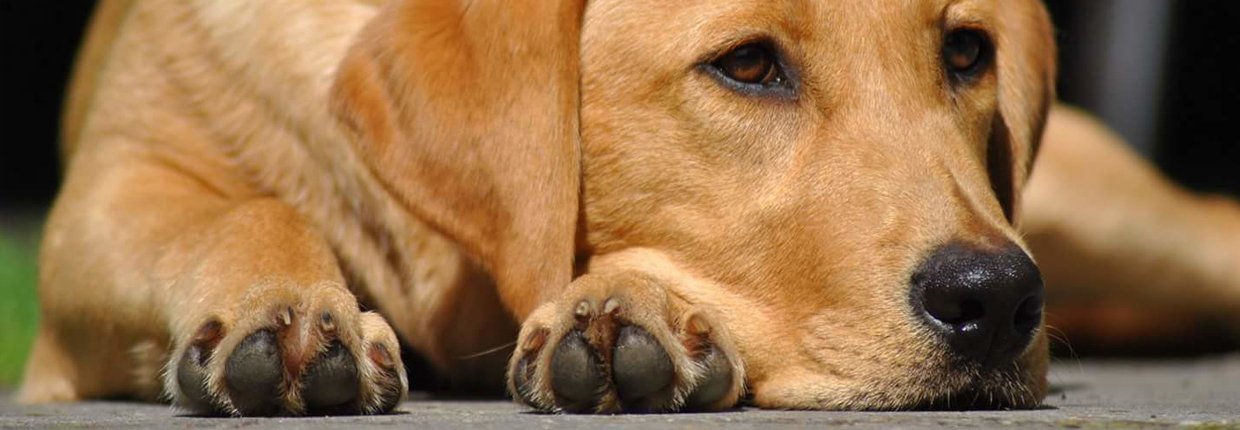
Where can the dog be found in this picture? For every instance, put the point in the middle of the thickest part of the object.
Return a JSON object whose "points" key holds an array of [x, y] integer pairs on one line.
{"points": [[613, 206]]}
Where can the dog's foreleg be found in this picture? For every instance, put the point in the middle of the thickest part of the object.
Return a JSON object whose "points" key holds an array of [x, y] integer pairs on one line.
{"points": [[247, 300], [1110, 231]]}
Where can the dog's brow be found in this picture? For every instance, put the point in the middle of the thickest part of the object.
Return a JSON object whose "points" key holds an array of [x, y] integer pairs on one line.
{"points": [[966, 13]]}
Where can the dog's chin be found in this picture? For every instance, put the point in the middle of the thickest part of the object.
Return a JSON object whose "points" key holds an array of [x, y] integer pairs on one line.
{"points": [[947, 382], [954, 384], [956, 389], [984, 389], [935, 385]]}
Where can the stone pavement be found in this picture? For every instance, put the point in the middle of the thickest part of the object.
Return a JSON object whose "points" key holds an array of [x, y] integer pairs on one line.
{"points": [[1196, 393]]}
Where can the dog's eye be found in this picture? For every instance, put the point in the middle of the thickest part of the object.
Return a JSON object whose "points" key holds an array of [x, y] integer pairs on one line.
{"points": [[966, 53], [752, 64]]}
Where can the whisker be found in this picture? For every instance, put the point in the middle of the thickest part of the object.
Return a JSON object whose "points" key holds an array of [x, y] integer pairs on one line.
{"points": [[1059, 335], [487, 352]]}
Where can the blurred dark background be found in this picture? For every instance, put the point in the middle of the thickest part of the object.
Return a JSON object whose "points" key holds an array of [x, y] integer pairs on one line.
{"points": [[38, 40], [1164, 73]]}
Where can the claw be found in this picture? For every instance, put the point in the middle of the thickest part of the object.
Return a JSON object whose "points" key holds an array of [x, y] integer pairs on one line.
{"points": [[326, 323], [286, 316], [611, 306]]}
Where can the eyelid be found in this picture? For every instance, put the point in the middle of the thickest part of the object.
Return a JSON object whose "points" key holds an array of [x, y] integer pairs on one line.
{"points": [[981, 65], [789, 85], [734, 44], [967, 24]]}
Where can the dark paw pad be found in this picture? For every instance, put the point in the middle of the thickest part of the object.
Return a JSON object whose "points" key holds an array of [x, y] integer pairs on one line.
{"points": [[253, 374], [715, 384], [192, 367], [577, 379], [641, 368], [331, 383], [192, 377]]}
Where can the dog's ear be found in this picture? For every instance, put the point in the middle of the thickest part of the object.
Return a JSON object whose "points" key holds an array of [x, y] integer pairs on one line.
{"points": [[466, 112], [1025, 58]]}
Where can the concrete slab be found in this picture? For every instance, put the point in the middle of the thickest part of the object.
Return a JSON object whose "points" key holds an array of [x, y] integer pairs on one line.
{"points": [[1200, 393]]}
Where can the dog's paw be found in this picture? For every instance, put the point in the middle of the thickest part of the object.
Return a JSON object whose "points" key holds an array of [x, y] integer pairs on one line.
{"points": [[620, 343], [286, 350]]}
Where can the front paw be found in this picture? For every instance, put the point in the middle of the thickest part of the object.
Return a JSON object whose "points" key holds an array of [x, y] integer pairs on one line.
{"points": [[289, 351], [620, 343]]}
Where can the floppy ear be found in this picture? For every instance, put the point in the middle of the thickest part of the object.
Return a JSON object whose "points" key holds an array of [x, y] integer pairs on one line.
{"points": [[466, 112], [1025, 59]]}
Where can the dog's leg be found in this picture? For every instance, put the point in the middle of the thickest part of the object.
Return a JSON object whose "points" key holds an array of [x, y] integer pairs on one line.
{"points": [[248, 299], [623, 339], [1129, 256]]}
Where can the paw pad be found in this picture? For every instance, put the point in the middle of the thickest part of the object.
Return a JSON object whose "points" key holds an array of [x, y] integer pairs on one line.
{"points": [[577, 376], [253, 374], [192, 367], [609, 359], [332, 380], [291, 364], [640, 366]]}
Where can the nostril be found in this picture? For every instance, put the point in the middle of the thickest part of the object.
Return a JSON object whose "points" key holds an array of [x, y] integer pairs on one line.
{"points": [[970, 310], [1029, 313], [986, 304], [955, 312]]}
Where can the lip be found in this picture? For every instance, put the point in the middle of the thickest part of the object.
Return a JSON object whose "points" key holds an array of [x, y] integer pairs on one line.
{"points": [[990, 389], [962, 388], [978, 400], [984, 394]]}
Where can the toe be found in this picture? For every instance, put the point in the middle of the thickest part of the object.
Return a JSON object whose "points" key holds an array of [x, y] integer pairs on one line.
{"points": [[576, 377], [253, 374], [391, 386], [641, 367], [192, 378], [523, 377], [383, 383], [192, 367], [522, 384], [715, 384], [332, 381]]}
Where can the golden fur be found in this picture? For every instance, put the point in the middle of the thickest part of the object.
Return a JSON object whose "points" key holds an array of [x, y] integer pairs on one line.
{"points": [[465, 169]]}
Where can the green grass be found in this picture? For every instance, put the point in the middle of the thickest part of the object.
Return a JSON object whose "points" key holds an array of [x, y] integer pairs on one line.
{"points": [[18, 305]]}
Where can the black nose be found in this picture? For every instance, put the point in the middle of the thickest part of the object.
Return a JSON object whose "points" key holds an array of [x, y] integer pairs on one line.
{"points": [[987, 304]]}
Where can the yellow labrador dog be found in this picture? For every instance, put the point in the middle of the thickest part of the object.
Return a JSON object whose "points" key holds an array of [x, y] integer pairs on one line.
{"points": [[667, 205]]}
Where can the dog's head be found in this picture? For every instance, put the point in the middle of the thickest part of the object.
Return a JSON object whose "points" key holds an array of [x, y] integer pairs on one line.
{"points": [[850, 171]]}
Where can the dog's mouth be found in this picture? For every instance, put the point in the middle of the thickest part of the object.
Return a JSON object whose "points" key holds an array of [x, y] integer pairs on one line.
{"points": [[1004, 392], [968, 386], [937, 385], [917, 371]]}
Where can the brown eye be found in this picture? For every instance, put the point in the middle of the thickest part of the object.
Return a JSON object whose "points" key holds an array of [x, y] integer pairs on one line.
{"points": [[965, 52], [750, 64]]}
